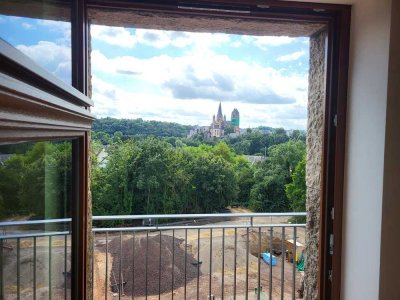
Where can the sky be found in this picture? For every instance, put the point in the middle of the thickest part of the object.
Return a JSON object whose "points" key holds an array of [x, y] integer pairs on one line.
{"points": [[178, 76]]}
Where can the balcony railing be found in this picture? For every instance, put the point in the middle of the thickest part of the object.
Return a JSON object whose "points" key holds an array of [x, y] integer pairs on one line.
{"points": [[188, 256], [35, 259]]}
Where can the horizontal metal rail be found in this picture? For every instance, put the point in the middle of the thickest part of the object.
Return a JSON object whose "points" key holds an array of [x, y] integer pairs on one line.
{"points": [[157, 228], [31, 235], [199, 216], [34, 222]]}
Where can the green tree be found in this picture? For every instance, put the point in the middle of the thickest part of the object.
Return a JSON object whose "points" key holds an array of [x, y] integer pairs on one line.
{"points": [[271, 176], [296, 190], [111, 194], [268, 195], [37, 180], [245, 179]]}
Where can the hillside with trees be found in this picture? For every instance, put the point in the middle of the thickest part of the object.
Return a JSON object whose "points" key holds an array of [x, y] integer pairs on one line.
{"points": [[252, 142], [142, 174], [106, 128], [147, 176]]}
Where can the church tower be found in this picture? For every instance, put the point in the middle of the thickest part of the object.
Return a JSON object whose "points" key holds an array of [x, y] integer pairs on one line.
{"points": [[235, 121], [218, 124]]}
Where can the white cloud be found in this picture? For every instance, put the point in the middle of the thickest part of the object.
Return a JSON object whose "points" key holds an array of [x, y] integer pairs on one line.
{"points": [[60, 27], [292, 56], [47, 52], [114, 101], [263, 42], [125, 38], [187, 88], [208, 76], [27, 26], [236, 44], [53, 57], [162, 38], [117, 36], [192, 85]]}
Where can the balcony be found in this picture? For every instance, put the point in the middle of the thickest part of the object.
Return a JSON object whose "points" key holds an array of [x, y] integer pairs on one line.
{"points": [[194, 256]]}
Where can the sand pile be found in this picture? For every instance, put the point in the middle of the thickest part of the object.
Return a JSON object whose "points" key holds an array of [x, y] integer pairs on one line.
{"points": [[155, 274]]}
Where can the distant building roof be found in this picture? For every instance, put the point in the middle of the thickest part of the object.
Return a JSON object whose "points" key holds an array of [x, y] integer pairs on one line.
{"points": [[4, 157], [254, 158]]}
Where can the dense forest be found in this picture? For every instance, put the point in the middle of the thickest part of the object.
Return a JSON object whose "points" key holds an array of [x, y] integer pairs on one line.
{"points": [[108, 127], [151, 175], [252, 142], [36, 179], [139, 174]]}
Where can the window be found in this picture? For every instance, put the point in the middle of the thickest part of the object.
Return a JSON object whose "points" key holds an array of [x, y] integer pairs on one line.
{"points": [[36, 190], [203, 16], [37, 107], [42, 31], [43, 140]]}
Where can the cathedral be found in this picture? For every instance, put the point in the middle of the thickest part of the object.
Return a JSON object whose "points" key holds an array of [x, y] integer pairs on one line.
{"points": [[218, 125], [217, 128]]}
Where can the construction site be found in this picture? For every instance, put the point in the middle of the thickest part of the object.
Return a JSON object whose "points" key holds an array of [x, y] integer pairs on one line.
{"points": [[222, 262], [194, 264]]}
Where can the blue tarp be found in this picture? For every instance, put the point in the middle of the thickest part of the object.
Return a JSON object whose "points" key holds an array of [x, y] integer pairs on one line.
{"points": [[267, 258]]}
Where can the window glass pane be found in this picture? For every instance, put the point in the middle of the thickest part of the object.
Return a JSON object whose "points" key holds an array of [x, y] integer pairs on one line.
{"points": [[35, 189], [42, 31]]}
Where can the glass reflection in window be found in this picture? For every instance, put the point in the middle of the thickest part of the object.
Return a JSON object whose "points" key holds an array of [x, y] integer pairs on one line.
{"points": [[35, 212], [42, 31]]}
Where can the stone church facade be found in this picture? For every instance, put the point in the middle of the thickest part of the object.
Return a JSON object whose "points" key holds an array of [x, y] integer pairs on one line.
{"points": [[218, 125]]}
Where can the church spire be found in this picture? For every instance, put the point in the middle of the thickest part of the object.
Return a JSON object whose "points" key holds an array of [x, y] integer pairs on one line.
{"points": [[219, 115]]}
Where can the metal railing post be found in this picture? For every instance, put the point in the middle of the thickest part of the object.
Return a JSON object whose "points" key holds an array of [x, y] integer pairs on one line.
{"points": [[146, 259], [283, 263], [19, 269], [34, 268], [210, 277], [186, 244], [234, 264], [270, 261], [106, 279], [65, 266], [173, 263], [1, 271], [133, 264], [294, 261], [259, 265], [223, 264], [247, 264], [93, 237], [198, 263], [159, 269]]}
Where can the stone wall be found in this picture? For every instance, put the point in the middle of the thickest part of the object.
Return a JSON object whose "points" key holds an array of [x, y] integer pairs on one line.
{"points": [[316, 97], [90, 250]]}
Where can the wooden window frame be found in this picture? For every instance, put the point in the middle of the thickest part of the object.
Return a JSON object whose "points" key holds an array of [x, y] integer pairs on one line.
{"points": [[337, 20], [65, 112], [37, 106]]}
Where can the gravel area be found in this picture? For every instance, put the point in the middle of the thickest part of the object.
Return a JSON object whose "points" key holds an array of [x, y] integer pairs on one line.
{"points": [[159, 279]]}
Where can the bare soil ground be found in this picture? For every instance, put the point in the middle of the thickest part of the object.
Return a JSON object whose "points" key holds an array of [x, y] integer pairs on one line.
{"points": [[214, 261], [44, 274], [211, 254]]}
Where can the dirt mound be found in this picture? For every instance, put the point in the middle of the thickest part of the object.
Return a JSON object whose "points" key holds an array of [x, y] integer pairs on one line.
{"points": [[265, 242], [158, 279]]}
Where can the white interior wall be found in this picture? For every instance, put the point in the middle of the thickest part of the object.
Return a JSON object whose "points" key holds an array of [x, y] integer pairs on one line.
{"points": [[369, 50], [365, 143], [390, 237]]}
